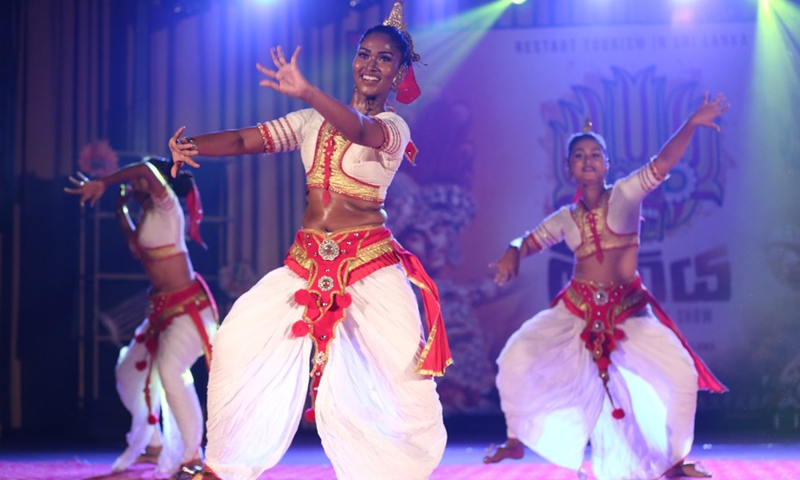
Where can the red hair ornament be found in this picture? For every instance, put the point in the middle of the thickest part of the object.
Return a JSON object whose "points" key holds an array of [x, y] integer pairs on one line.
{"points": [[408, 90]]}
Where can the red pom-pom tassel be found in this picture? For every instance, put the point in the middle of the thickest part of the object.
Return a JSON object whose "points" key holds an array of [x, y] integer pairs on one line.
{"points": [[310, 416], [603, 363], [300, 328], [344, 300], [618, 413], [303, 297], [152, 419], [141, 365], [619, 335]]}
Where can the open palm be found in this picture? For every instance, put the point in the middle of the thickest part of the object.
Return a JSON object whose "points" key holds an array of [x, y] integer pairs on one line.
{"points": [[709, 110], [288, 79]]}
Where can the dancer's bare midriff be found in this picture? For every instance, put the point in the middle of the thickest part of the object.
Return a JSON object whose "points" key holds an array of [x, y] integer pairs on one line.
{"points": [[341, 212], [619, 266]]}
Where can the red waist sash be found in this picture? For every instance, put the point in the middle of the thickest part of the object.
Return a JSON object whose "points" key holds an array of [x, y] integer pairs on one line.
{"points": [[330, 262], [162, 308], [605, 310]]}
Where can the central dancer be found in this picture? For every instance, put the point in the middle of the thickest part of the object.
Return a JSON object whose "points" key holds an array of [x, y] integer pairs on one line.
{"points": [[343, 298]]}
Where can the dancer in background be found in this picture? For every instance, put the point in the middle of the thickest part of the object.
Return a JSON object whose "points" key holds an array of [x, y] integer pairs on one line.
{"points": [[343, 296], [181, 318], [604, 364]]}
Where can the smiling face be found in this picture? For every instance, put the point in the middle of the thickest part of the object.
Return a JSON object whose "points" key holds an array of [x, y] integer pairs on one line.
{"points": [[376, 64], [588, 162]]}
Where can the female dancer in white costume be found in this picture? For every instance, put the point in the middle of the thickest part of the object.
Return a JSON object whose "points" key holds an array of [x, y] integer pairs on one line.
{"points": [[604, 364], [181, 318], [343, 293]]}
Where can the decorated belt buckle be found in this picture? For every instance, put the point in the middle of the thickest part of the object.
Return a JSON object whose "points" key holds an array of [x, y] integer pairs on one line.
{"points": [[320, 358], [600, 297], [328, 249], [325, 283]]}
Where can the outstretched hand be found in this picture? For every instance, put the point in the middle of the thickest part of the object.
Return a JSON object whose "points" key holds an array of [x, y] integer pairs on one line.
{"points": [[182, 152], [709, 110], [507, 267], [88, 189], [288, 78]]}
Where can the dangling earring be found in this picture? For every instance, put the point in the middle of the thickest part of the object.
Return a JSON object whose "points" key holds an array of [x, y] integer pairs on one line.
{"points": [[399, 77], [396, 82]]}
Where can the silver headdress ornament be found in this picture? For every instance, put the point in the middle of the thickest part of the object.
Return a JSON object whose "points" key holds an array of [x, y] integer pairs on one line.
{"points": [[587, 125], [395, 20]]}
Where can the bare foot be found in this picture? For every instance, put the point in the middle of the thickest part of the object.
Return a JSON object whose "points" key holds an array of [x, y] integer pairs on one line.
{"points": [[687, 470], [513, 448]]}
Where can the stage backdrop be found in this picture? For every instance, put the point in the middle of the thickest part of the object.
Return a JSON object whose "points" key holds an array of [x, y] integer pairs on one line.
{"points": [[715, 251]]}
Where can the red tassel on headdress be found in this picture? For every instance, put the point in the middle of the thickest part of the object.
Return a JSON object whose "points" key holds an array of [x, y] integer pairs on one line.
{"points": [[195, 208], [408, 90]]}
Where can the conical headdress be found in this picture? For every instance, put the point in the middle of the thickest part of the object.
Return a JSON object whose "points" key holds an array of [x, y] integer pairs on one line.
{"points": [[395, 20]]}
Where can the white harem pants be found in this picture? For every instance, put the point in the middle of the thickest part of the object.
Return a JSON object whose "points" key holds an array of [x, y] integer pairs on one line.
{"points": [[377, 418], [172, 393], [554, 401]]}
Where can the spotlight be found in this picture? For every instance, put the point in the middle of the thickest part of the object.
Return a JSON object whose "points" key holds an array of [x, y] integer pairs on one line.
{"points": [[517, 2]]}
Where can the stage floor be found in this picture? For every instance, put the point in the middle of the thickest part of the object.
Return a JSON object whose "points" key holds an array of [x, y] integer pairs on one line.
{"points": [[462, 461]]}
